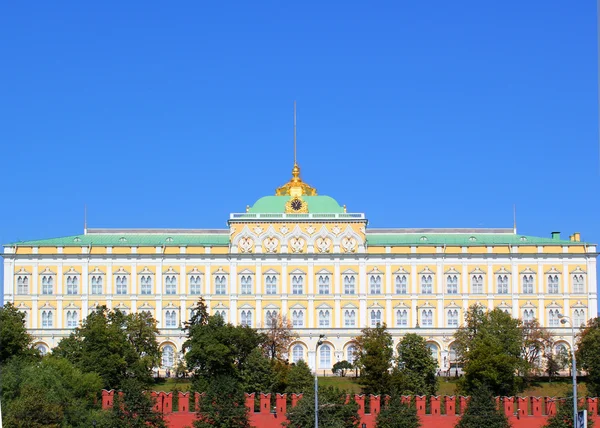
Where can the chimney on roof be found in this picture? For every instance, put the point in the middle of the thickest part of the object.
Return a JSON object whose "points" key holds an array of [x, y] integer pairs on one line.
{"points": [[577, 237], [556, 235]]}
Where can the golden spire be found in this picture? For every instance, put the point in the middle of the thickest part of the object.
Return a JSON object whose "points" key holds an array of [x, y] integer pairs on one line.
{"points": [[295, 187]]}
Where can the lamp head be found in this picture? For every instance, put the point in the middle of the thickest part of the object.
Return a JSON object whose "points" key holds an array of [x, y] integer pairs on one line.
{"points": [[561, 316], [563, 321]]}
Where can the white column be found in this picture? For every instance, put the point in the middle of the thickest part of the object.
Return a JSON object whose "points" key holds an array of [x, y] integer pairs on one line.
{"points": [[389, 284], [539, 290], [258, 292], [134, 281], [9, 279], [311, 279], [35, 290], [362, 290], [232, 293], [59, 279], [590, 288], [85, 284]]}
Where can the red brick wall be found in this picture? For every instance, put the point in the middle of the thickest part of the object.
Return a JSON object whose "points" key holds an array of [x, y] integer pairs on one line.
{"points": [[442, 412]]}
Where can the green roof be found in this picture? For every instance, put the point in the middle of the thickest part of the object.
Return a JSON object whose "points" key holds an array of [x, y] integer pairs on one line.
{"points": [[130, 240], [316, 205], [462, 239]]}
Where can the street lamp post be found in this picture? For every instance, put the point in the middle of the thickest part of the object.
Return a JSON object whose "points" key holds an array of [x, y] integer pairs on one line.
{"points": [[319, 343], [563, 320], [417, 324]]}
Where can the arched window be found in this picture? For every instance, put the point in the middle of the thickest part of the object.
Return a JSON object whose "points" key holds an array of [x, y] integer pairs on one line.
{"points": [[220, 284], [528, 284], [401, 284], [47, 284], [171, 319], [246, 284], [297, 353], [323, 284], [325, 357], [452, 284], [349, 284], [22, 285], [168, 356], [324, 318], [121, 283], [477, 284], [42, 349], [246, 318], [170, 284], [433, 349], [375, 284], [502, 284], [195, 284], [426, 284], [578, 284], [72, 284], [553, 284], [72, 319], [401, 318], [553, 320], [578, 317], [47, 319], [271, 318], [453, 318], [349, 318], [298, 318], [350, 353], [271, 284], [528, 315], [375, 317], [221, 314], [97, 284], [427, 316], [297, 284], [146, 284]]}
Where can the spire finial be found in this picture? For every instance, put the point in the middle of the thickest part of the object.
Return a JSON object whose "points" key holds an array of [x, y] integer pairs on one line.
{"points": [[515, 219], [295, 132], [84, 219]]}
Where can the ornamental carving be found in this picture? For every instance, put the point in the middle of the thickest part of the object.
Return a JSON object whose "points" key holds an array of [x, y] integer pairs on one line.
{"points": [[297, 244], [349, 244], [323, 245], [336, 230], [246, 244], [270, 244], [258, 230], [284, 230], [310, 229]]}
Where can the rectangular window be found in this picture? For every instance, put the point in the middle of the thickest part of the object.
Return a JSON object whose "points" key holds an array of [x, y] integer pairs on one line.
{"points": [[298, 318], [22, 285], [502, 284], [528, 284], [553, 284], [578, 284], [453, 318], [375, 317], [477, 284], [246, 318], [324, 318], [427, 316], [401, 318], [121, 284]]}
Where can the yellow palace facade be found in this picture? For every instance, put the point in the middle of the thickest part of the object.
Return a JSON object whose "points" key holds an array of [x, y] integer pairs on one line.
{"points": [[302, 255]]}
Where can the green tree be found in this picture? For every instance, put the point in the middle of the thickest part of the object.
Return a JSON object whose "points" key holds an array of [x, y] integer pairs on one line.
{"points": [[14, 339], [215, 348], [396, 414], [588, 355], [489, 347], [334, 412], [223, 406], [134, 408], [564, 414], [257, 375], [114, 345], [415, 367], [300, 379], [374, 359], [536, 343], [482, 412], [341, 367], [49, 393]]}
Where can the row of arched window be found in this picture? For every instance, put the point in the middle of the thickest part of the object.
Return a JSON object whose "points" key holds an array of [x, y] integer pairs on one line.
{"points": [[298, 286]]}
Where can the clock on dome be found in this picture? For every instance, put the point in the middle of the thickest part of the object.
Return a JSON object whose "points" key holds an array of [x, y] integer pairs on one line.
{"points": [[296, 205]]}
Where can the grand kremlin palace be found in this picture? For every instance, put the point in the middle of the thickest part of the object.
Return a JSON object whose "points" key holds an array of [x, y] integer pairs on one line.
{"points": [[302, 255]]}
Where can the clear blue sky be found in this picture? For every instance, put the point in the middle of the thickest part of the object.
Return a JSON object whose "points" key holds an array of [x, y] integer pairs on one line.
{"points": [[429, 114]]}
